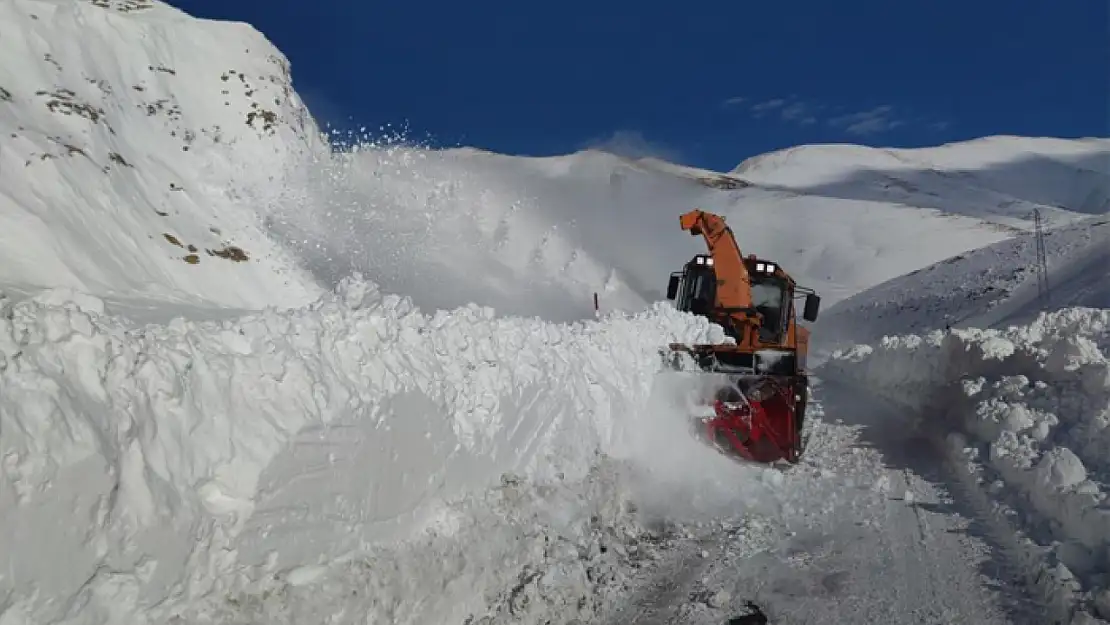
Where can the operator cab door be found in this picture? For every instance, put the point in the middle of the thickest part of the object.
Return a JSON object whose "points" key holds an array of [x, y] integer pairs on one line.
{"points": [[695, 289], [770, 299]]}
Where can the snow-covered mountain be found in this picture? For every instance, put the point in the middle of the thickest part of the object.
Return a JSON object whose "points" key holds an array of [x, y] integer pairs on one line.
{"points": [[249, 172], [995, 285], [998, 179], [246, 379], [139, 145]]}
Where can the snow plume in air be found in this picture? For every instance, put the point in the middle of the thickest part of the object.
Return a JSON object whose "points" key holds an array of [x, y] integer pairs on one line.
{"points": [[677, 476], [445, 234], [633, 144]]}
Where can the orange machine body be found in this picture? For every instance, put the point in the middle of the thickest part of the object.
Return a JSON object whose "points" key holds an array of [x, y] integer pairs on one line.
{"points": [[753, 300]]}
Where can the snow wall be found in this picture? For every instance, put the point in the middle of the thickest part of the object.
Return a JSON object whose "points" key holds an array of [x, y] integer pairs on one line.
{"points": [[1025, 416], [157, 446]]}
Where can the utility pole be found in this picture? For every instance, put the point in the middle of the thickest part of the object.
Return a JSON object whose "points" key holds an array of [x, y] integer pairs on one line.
{"points": [[1043, 292]]}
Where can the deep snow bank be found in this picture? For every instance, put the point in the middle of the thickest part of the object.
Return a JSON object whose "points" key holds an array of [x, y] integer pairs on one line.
{"points": [[162, 446], [1028, 408]]}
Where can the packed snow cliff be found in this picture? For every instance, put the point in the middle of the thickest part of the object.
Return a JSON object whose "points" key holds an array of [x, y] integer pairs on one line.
{"points": [[154, 443]]}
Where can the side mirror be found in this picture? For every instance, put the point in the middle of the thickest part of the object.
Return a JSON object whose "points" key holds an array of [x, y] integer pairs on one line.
{"points": [[813, 303], [672, 288]]}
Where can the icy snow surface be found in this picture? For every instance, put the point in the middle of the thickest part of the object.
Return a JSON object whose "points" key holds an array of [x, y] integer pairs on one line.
{"points": [[246, 379]]}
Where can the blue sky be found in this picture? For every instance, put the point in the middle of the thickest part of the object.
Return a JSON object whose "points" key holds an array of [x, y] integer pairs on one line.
{"points": [[706, 84]]}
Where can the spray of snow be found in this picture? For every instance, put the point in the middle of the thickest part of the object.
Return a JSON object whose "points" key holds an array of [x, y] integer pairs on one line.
{"points": [[678, 478], [1026, 412], [539, 236]]}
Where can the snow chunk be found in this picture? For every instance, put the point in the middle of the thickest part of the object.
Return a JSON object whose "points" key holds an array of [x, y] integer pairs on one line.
{"points": [[1060, 469]]}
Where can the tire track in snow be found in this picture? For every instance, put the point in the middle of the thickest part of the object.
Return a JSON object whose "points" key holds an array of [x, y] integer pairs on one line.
{"points": [[668, 587], [1015, 566], [1020, 560]]}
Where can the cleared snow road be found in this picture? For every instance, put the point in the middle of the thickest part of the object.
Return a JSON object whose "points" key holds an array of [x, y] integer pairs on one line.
{"points": [[872, 536]]}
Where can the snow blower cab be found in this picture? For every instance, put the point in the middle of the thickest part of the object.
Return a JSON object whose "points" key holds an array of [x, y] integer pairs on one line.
{"points": [[757, 387]]}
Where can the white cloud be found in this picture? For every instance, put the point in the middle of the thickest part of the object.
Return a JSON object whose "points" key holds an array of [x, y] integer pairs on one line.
{"points": [[800, 112], [789, 110], [735, 100], [870, 122], [760, 108], [794, 111], [873, 121]]}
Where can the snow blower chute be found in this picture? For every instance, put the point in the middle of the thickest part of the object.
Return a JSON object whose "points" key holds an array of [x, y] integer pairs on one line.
{"points": [[758, 387]]}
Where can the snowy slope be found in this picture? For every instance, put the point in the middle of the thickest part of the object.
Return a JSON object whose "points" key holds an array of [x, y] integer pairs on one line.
{"points": [[137, 144], [249, 171], [302, 445], [999, 179], [539, 236], [993, 285]]}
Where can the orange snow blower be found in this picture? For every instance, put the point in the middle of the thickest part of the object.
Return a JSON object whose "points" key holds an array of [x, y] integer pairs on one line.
{"points": [[760, 390]]}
